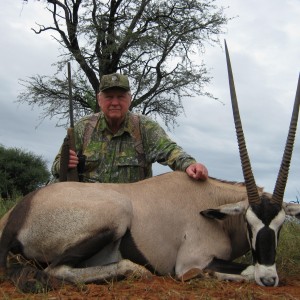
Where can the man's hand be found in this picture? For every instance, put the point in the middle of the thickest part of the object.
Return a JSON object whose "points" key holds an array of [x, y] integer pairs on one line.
{"points": [[73, 159], [197, 171]]}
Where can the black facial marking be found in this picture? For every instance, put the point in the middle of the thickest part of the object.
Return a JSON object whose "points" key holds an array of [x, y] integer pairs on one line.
{"points": [[266, 211], [265, 246]]}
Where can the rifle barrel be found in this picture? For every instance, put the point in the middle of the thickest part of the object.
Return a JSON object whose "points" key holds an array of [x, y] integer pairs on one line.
{"points": [[70, 96]]}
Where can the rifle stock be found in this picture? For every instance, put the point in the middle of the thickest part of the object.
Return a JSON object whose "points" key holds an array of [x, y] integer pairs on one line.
{"points": [[67, 174]]}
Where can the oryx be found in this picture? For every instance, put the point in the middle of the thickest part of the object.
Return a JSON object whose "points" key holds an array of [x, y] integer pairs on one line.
{"points": [[168, 224]]}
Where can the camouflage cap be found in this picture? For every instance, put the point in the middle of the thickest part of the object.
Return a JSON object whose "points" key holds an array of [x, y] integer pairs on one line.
{"points": [[114, 80]]}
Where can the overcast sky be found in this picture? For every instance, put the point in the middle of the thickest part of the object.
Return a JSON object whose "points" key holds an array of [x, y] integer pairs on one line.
{"points": [[264, 45]]}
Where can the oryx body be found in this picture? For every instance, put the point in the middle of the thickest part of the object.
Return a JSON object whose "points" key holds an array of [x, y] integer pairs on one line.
{"points": [[159, 217], [73, 227], [161, 214]]}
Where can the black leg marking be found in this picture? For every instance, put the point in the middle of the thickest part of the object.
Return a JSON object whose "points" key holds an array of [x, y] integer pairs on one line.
{"points": [[13, 226], [130, 251], [227, 267], [85, 249]]}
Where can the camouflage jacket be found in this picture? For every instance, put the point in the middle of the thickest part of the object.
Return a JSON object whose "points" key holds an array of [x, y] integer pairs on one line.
{"points": [[126, 156]]}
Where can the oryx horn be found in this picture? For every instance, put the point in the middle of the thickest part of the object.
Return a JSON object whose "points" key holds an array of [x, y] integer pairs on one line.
{"points": [[287, 155], [252, 192]]}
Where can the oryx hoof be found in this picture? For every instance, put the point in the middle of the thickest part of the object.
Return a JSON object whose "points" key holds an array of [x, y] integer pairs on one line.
{"points": [[139, 273], [191, 274], [32, 280], [135, 271]]}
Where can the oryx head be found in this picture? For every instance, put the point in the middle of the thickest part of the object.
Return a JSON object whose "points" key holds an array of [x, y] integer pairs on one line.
{"points": [[264, 214]]}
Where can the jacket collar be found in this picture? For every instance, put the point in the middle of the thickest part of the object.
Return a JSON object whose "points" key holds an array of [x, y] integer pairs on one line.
{"points": [[127, 125]]}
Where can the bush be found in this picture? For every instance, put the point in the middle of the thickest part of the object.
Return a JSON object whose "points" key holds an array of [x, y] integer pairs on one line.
{"points": [[21, 172]]}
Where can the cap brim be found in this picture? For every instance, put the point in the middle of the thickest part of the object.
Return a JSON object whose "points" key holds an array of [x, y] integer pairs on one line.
{"points": [[115, 87]]}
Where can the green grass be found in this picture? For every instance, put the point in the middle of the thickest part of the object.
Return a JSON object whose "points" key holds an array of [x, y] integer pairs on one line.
{"points": [[288, 255], [5, 205]]}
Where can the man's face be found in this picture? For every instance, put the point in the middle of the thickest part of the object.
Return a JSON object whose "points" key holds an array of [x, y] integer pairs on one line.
{"points": [[114, 103]]}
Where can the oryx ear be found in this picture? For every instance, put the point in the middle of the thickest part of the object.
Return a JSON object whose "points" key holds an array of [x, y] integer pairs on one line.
{"points": [[292, 209], [226, 210]]}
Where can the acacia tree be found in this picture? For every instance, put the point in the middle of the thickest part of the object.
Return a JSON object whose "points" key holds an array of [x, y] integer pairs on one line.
{"points": [[153, 41]]}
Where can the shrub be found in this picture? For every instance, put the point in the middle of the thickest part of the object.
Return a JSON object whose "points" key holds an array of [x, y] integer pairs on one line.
{"points": [[21, 172]]}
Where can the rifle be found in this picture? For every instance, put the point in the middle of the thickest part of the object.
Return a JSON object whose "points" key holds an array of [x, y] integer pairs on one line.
{"points": [[66, 174]]}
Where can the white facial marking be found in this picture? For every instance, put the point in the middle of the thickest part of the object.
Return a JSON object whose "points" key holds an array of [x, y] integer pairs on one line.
{"points": [[256, 225], [277, 222], [266, 275]]}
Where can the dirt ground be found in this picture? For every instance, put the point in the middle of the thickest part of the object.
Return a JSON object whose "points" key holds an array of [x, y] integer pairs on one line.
{"points": [[164, 288]]}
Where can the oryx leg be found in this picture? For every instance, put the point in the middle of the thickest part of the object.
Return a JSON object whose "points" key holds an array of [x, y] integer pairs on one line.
{"points": [[222, 270], [98, 274], [190, 262], [86, 249], [231, 271], [102, 266], [81, 262]]}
